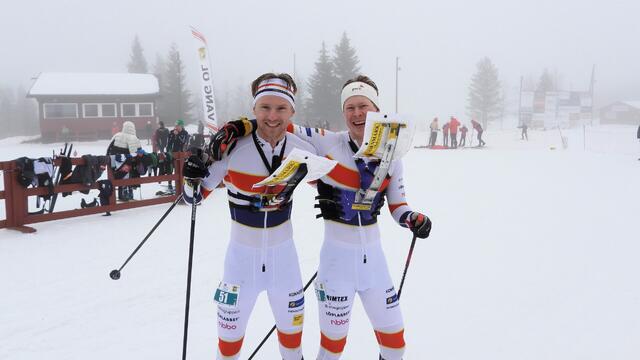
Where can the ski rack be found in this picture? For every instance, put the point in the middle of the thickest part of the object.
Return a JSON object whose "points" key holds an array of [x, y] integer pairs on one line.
{"points": [[16, 196]]}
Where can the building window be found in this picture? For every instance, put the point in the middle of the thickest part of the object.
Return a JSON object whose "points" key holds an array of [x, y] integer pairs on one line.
{"points": [[129, 110], [137, 110], [53, 111], [99, 110], [108, 110], [145, 110], [90, 110]]}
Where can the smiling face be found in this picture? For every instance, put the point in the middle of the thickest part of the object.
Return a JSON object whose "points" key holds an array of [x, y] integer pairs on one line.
{"points": [[355, 115], [272, 114]]}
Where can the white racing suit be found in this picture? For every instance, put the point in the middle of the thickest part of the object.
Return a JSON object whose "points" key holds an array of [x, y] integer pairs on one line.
{"points": [[261, 255], [351, 259]]}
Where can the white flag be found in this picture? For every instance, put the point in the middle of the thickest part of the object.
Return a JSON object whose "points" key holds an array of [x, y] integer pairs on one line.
{"points": [[208, 101]]}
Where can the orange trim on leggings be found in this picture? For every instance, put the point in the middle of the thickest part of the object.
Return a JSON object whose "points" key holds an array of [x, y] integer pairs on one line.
{"points": [[331, 345], [228, 348], [393, 341], [290, 341]]}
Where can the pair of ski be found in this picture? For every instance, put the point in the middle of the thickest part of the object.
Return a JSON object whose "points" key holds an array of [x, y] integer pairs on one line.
{"points": [[66, 152]]}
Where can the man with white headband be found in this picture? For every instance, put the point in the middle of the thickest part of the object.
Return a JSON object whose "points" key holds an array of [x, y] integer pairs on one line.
{"points": [[261, 255], [352, 260]]}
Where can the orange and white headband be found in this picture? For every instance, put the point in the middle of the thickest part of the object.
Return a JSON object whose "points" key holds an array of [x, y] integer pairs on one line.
{"points": [[275, 87]]}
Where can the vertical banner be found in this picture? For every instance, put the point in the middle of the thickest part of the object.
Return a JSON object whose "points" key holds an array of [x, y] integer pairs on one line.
{"points": [[206, 84]]}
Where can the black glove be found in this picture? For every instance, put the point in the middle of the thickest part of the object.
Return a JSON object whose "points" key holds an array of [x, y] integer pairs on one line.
{"points": [[419, 224], [226, 136], [196, 168]]}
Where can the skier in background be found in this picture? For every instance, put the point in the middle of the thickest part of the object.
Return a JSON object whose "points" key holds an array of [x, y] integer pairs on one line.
{"points": [[162, 136], [434, 127], [463, 135], [453, 129], [638, 135], [445, 135], [478, 128], [524, 135]]}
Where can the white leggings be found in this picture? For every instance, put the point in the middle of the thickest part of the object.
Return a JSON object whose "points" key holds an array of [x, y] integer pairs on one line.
{"points": [[342, 274], [283, 283]]}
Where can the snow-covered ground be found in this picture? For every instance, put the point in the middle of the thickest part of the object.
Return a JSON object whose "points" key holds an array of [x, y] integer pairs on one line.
{"points": [[533, 255]]}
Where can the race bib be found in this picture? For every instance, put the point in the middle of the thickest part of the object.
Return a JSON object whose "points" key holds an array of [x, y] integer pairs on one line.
{"points": [[320, 293], [227, 294]]}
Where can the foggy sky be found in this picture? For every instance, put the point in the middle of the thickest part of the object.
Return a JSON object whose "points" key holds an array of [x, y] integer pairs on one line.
{"points": [[438, 43]]}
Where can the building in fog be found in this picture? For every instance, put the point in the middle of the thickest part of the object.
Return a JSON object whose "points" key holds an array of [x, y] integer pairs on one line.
{"points": [[82, 106], [621, 112]]}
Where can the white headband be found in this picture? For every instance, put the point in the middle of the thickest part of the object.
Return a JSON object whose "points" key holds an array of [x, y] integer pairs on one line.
{"points": [[275, 87], [359, 88]]}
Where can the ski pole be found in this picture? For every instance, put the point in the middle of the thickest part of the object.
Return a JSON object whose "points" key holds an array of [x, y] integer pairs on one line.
{"points": [[274, 327], [406, 265], [115, 274], [196, 189]]}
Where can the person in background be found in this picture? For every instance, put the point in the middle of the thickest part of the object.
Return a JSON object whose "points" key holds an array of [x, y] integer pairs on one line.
{"points": [[434, 127], [638, 136], [524, 135], [161, 137], [178, 138], [197, 139], [478, 128], [114, 128], [463, 135], [177, 142], [445, 134], [123, 145], [65, 133], [453, 129], [148, 131]]}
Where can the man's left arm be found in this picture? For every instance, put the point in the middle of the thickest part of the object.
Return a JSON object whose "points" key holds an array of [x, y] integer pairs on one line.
{"points": [[401, 212]]}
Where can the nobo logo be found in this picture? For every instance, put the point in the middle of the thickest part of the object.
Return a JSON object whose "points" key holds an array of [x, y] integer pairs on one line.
{"points": [[226, 326], [340, 322]]}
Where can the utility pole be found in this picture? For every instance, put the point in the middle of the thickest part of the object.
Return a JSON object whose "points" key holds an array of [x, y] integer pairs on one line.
{"points": [[520, 121], [397, 70], [294, 67], [179, 87]]}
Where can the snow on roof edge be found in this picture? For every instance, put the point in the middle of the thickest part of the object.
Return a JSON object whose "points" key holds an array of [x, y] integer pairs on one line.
{"points": [[94, 84]]}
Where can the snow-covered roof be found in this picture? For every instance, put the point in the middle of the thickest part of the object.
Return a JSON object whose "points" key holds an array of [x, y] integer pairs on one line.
{"points": [[634, 104], [94, 84]]}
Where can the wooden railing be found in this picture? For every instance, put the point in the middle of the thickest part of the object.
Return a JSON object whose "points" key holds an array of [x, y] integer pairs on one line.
{"points": [[16, 196]]}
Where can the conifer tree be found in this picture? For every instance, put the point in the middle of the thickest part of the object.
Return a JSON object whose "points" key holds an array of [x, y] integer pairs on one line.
{"points": [[175, 102], [137, 62], [484, 93], [345, 61], [323, 104]]}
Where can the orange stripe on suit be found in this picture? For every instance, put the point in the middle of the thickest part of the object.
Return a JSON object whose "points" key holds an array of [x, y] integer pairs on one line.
{"points": [[229, 348], [244, 182], [290, 341], [393, 207], [334, 346], [393, 341], [344, 175]]}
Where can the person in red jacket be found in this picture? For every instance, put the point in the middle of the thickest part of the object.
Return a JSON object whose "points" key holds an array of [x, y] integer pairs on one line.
{"points": [[478, 128], [453, 129], [445, 135]]}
